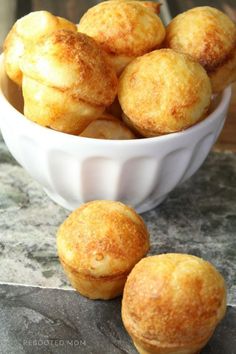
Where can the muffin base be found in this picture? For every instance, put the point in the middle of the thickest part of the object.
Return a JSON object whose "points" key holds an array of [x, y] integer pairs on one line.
{"points": [[104, 288]]}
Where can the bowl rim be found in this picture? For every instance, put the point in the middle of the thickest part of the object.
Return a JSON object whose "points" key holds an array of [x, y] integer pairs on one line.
{"points": [[221, 107]]}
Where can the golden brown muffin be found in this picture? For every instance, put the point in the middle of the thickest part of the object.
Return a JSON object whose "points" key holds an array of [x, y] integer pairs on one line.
{"points": [[67, 81], [25, 32], [163, 92], [108, 127], [172, 304], [209, 36], [98, 245], [125, 30]]}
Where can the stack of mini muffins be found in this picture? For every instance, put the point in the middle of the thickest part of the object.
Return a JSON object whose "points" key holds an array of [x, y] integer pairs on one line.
{"points": [[120, 74]]}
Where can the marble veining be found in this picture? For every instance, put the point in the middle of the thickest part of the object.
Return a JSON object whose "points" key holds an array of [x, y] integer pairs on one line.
{"points": [[199, 217], [56, 321]]}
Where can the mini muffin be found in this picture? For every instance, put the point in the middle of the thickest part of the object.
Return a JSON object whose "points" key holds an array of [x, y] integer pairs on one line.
{"points": [[125, 29], [108, 127], [67, 81], [209, 36], [25, 32], [164, 92], [98, 245], [172, 304]]}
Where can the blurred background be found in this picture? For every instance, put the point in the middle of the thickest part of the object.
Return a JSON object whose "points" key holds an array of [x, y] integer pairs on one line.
{"points": [[11, 10]]}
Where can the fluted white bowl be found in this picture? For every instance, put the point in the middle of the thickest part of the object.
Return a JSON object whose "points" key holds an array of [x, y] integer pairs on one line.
{"points": [[73, 169]]}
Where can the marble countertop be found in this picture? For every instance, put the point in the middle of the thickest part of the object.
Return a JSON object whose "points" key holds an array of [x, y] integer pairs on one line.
{"points": [[199, 217], [53, 321]]}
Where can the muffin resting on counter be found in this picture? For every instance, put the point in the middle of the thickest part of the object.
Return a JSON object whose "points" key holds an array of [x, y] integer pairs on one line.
{"points": [[98, 245], [125, 29], [209, 36], [67, 81], [25, 32], [163, 92], [172, 304], [108, 127]]}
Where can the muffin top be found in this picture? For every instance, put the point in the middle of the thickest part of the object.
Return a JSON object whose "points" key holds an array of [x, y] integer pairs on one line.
{"points": [[173, 299], [38, 23], [102, 238], [205, 33], [163, 92], [123, 28], [74, 61], [25, 32]]}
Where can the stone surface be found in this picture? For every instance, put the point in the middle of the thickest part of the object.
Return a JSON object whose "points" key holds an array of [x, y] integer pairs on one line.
{"points": [[58, 321], [199, 218]]}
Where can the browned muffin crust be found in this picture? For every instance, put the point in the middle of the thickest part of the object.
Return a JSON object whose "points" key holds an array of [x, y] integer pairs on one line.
{"points": [[98, 245], [68, 81], [173, 302], [124, 29], [209, 36], [87, 71], [26, 32], [163, 92]]}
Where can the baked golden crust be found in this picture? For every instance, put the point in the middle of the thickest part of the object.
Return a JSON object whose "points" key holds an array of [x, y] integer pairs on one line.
{"points": [[163, 92], [70, 78], [69, 60], [124, 29], [108, 127], [100, 242], [25, 32], [209, 36], [172, 303]]}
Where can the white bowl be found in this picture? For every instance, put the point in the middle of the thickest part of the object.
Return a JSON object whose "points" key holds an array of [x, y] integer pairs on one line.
{"points": [[73, 169]]}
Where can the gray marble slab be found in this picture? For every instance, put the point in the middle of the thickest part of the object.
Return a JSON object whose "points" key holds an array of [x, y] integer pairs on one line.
{"points": [[53, 321], [199, 218]]}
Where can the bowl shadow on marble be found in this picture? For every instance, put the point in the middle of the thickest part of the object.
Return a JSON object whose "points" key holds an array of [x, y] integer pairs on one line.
{"points": [[73, 170]]}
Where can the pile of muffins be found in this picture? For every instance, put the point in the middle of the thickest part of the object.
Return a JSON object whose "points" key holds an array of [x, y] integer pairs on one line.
{"points": [[119, 73]]}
